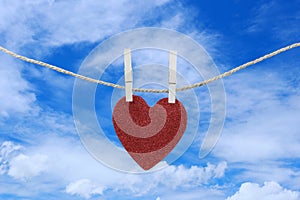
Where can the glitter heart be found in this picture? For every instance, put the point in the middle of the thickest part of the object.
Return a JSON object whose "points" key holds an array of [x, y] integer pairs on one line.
{"points": [[149, 133]]}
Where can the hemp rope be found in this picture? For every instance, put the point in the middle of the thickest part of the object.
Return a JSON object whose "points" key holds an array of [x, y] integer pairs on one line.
{"points": [[228, 73]]}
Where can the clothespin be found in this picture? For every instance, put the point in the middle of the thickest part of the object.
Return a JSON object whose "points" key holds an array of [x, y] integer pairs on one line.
{"points": [[172, 76], [128, 75]]}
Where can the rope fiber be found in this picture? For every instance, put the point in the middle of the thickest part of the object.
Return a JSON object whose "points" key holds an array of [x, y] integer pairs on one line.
{"points": [[199, 84]]}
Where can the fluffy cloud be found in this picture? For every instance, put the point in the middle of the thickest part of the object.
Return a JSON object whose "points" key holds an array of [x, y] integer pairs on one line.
{"points": [[262, 121], [19, 165], [180, 176], [16, 94], [260, 140], [60, 22], [170, 178], [64, 159], [7, 151], [84, 188], [24, 167], [269, 191], [174, 177]]}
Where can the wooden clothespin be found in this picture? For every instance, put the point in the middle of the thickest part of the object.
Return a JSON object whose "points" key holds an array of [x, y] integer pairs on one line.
{"points": [[128, 75], [172, 76]]}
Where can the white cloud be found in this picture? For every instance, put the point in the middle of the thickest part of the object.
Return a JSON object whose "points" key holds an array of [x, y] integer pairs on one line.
{"points": [[24, 167], [61, 22], [16, 94], [7, 151], [278, 171], [181, 176], [269, 191], [7, 148], [220, 169], [84, 188], [260, 139], [19, 165], [262, 123], [45, 123], [63, 160], [174, 23], [170, 178]]}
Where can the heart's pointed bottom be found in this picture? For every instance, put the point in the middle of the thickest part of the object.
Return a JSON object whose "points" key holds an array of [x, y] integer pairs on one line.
{"points": [[148, 160], [149, 151]]}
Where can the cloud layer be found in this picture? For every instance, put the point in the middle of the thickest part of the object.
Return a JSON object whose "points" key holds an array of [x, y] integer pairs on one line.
{"points": [[44, 21], [64, 162], [268, 191]]}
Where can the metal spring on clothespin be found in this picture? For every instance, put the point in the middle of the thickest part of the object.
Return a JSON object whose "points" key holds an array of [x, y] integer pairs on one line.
{"points": [[172, 76], [128, 75]]}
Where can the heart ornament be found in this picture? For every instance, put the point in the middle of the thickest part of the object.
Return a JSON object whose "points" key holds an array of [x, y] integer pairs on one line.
{"points": [[149, 134]]}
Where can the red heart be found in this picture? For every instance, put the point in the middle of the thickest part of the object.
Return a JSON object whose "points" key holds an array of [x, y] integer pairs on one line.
{"points": [[149, 133]]}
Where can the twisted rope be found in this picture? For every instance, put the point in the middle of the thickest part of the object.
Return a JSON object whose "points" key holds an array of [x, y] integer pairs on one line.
{"points": [[199, 84]]}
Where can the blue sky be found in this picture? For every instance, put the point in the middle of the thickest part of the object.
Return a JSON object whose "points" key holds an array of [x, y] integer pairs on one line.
{"points": [[258, 154]]}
